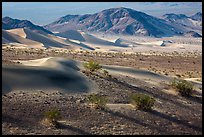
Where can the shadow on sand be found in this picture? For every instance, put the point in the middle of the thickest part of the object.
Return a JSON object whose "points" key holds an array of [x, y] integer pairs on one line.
{"points": [[158, 94], [75, 129], [160, 130], [175, 119]]}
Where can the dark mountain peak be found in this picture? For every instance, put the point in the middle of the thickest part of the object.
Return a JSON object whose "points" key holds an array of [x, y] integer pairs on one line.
{"points": [[66, 18], [174, 16], [120, 20], [119, 10], [197, 16], [199, 13], [7, 18], [10, 23]]}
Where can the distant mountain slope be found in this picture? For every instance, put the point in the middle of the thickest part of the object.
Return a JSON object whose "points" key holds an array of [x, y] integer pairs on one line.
{"points": [[9, 23], [192, 34], [192, 23], [197, 16], [117, 21]]}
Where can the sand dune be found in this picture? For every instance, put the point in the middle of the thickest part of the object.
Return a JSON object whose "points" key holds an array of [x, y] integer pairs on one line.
{"points": [[147, 76], [53, 62], [71, 34], [78, 40], [8, 37], [83, 37], [45, 40], [4, 40], [44, 74], [88, 39], [18, 31], [136, 73], [61, 74]]}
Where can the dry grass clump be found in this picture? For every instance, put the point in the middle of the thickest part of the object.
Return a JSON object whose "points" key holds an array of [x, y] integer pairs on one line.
{"points": [[97, 101], [142, 101], [92, 66], [184, 87], [51, 117]]}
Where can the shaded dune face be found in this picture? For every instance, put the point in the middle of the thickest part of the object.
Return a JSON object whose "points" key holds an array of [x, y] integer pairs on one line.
{"points": [[42, 39], [71, 34], [31, 78], [84, 37], [138, 73]]}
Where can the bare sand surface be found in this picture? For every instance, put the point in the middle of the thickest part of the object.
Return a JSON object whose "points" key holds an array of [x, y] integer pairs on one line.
{"points": [[13, 38], [44, 74], [121, 43]]}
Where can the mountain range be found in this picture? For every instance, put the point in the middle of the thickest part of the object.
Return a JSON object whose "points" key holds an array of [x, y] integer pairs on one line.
{"points": [[117, 21], [9, 23]]}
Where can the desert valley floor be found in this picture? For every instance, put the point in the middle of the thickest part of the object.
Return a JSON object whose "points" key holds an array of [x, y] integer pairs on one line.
{"points": [[90, 68], [64, 84]]}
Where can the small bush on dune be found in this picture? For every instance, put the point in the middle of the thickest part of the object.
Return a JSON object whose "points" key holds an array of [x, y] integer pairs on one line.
{"points": [[184, 87], [97, 101], [142, 101], [92, 66]]}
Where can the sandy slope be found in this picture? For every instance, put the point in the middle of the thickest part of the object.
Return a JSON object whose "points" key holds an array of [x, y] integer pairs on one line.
{"points": [[62, 74], [19, 31], [82, 41], [46, 40], [145, 75], [88, 39], [8, 37], [44, 74]]}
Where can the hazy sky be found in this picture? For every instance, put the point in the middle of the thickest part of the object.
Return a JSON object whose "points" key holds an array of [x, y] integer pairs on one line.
{"points": [[43, 13]]}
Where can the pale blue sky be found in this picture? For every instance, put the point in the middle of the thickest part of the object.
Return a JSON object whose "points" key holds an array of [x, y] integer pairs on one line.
{"points": [[43, 13]]}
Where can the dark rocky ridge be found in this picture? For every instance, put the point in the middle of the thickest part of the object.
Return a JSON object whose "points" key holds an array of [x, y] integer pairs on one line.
{"points": [[9, 23], [117, 21]]}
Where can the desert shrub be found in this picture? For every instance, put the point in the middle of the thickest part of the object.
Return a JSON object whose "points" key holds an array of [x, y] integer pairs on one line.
{"points": [[97, 100], [178, 75], [92, 66], [52, 116], [184, 87], [142, 101], [106, 73]]}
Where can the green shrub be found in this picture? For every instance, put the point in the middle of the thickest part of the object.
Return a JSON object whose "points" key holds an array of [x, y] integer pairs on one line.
{"points": [[52, 116], [92, 66], [97, 101], [106, 74], [184, 87], [142, 101]]}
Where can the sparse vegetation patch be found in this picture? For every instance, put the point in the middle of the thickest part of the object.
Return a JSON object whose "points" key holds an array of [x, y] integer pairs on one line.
{"points": [[184, 87], [51, 117], [142, 101], [97, 101], [92, 66]]}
